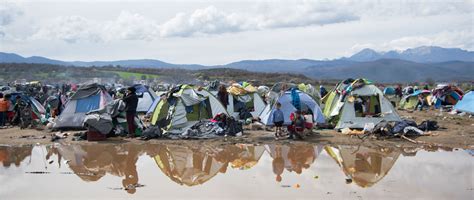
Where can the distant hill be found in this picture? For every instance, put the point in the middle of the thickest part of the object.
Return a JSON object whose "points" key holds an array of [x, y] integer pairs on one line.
{"points": [[416, 64], [423, 54], [138, 63], [393, 70]]}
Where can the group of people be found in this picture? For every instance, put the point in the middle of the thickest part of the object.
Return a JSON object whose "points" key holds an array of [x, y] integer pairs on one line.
{"points": [[296, 128], [13, 112]]}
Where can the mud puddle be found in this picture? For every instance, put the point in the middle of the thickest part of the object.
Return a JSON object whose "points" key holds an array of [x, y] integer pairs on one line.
{"points": [[299, 171]]}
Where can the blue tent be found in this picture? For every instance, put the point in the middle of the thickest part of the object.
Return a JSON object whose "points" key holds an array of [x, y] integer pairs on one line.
{"points": [[306, 102], [466, 104], [389, 91]]}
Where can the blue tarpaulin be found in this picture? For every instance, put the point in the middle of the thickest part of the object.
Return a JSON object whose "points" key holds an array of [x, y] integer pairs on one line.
{"points": [[87, 104]]}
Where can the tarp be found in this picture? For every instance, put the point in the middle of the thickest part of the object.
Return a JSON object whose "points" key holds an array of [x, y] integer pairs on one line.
{"points": [[87, 104], [466, 104]]}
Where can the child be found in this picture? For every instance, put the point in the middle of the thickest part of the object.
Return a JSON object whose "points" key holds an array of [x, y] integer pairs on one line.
{"points": [[278, 120], [298, 121]]}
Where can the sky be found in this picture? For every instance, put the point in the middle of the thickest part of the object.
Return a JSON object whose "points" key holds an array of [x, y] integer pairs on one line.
{"points": [[219, 32]]}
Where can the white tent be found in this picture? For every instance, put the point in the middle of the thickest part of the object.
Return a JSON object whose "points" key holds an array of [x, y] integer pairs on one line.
{"points": [[145, 98], [372, 106]]}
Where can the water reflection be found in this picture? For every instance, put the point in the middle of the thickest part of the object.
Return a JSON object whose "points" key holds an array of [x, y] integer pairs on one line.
{"points": [[293, 158], [92, 162], [191, 165], [14, 155], [195, 165], [362, 165]]}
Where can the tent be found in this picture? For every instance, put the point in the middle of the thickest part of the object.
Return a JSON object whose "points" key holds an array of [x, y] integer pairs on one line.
{"points": [[87, 98], [466, 104], [36, 106], [444, 95], [306, 88], [145, 98], [391, 95], [307, 104], [244, 98], [354, 103], [411, 100], [185, 107]]}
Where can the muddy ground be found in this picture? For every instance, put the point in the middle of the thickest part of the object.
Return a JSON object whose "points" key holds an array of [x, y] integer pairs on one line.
{"points": [[456, 132]]}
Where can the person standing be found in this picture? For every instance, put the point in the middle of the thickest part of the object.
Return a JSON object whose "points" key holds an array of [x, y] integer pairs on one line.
{"points": [[278, 120], [223, 96], [4, 105], [131, 102]]}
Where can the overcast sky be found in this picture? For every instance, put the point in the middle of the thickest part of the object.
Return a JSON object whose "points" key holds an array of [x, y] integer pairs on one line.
{"points": [[219, 32]]}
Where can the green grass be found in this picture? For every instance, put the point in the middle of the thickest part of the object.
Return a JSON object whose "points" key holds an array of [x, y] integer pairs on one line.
{"points": [[128, 75]]}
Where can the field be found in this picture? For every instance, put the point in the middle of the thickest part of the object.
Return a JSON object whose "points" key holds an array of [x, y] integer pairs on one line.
{"points": [[129, 75]]}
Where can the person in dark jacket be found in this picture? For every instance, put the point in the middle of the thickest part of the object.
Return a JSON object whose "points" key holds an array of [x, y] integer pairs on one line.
{"points": [[131, 102], [223, 96]]}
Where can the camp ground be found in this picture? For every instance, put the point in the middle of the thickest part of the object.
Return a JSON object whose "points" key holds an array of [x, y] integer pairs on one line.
{"points": [[87, 98], [355, 103]]}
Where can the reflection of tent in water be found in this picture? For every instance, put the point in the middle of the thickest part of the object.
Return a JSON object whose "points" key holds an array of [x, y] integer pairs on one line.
{"points": [[92, 162], [365, 166], [293, 158], [193, 166], [14, 155]]}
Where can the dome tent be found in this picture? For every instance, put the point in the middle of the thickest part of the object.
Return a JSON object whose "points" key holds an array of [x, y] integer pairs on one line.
{"points": [[354, 103], [145, 98], [183, 108], [287, 107], [87, 98]]}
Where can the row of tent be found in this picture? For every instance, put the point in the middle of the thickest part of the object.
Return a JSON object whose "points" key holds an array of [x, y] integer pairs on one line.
{"points": [[443, 95], [351, 104]]}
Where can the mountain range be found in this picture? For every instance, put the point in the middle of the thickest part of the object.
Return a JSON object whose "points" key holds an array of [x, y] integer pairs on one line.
{"points": [[415, 64]]}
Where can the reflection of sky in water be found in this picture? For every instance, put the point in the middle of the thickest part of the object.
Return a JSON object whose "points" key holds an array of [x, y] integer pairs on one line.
{"points": [[428, 175]]}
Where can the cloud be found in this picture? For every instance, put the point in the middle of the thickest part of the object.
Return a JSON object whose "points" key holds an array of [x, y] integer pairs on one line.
{"points": [[203, 21], [72, 29], [8, 13], [267, 16], [463, 39], [131, 26]]}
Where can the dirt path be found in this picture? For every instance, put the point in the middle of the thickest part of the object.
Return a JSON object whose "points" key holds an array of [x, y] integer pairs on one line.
{"points": [[456, 132]]}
